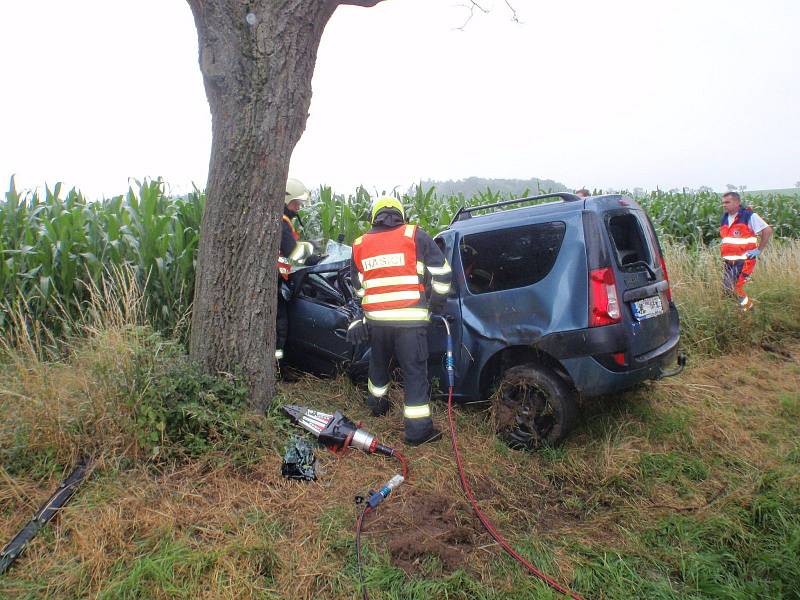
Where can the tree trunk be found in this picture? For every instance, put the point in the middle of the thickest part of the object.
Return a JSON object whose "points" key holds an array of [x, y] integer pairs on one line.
{"points": [[257, 58]]}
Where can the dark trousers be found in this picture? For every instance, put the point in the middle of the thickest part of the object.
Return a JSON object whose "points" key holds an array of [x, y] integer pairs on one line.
{"points": [[281, 324], [409, 345]]}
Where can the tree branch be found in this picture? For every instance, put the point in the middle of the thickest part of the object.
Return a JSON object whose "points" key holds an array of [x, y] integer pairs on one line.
{"points": [[514, 16], [474, 4]]}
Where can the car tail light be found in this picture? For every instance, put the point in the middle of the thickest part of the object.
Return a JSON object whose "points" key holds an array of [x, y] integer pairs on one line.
{"points": [[603, 300], [619, 358], [666, 276]]}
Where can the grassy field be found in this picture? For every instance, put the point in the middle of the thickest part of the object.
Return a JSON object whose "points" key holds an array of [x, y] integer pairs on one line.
{"points": [[685, 488]]}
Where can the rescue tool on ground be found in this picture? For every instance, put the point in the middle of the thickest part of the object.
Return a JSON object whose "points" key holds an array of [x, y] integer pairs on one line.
{"points": [[338, 433]]}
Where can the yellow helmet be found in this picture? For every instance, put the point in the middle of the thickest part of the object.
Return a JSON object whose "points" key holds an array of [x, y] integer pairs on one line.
{"points": [[295, 190], [386, 202]]}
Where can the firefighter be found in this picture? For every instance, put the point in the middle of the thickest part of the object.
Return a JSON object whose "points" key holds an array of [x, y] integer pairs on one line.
{"points": [[390, 268], [744, 236], [292, 251]]}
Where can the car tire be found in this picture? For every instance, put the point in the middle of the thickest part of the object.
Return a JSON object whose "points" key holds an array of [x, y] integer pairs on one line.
{"points": [[533, 407]]}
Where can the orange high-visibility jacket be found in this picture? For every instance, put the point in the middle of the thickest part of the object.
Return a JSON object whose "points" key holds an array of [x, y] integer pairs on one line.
{"points": [[392, 287], [284, 266], [737, 237]]}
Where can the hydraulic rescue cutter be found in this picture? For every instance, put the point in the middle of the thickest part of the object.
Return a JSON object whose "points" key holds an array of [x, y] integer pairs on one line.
{"points": [[336, 432]]}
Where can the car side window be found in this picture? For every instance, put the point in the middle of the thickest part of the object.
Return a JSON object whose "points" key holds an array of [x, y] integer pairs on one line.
{"points": [[510, 258]]}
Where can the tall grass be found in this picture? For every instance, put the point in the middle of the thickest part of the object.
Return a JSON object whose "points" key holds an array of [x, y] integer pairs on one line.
{"points": [[711, 322], [120, 391]]}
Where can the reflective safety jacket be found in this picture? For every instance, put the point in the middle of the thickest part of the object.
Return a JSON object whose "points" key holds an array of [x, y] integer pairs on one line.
{"points": [[389, 270], [284, 266], [291, 249], [737, 237]]}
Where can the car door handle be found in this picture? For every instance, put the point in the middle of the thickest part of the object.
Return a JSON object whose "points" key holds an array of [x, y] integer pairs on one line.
{"points": [[342, 333]]}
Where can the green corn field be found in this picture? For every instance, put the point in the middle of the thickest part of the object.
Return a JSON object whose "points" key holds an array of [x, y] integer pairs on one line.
{"points": [[55, 246], [683, 217]]}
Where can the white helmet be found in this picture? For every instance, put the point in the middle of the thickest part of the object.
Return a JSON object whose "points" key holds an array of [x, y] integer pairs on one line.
{"points": [[295, 190]]}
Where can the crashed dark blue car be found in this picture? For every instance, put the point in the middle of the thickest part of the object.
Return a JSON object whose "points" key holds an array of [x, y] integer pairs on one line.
{"points": [[549, 301]]}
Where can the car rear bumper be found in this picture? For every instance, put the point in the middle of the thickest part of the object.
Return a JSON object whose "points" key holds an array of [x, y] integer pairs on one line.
{"points": [[593, 379], [588, 357]]}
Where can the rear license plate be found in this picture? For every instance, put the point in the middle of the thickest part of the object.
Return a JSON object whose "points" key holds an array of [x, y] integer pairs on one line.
{"points": [[647, 308]]}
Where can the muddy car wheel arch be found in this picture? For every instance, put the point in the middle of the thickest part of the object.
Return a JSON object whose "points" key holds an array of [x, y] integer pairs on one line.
{"points": [[533, 407]]}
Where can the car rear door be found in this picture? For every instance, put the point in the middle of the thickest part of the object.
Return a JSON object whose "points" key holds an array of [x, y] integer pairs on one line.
{"points": [[641, 280]]}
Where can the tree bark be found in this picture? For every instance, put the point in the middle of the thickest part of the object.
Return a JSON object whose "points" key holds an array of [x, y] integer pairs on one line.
{"points": [[257, 58]]}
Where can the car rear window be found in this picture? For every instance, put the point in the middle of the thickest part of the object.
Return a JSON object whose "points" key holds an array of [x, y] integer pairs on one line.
{"points": [[628, 239], [510, 258]]}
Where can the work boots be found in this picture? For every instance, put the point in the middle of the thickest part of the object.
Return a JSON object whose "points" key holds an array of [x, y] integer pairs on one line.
{"points": [[378, 406], [433, 435]]}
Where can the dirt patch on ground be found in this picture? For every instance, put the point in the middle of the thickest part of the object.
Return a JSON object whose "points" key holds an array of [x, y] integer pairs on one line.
{"points": [[482, 488], [428, 528]]}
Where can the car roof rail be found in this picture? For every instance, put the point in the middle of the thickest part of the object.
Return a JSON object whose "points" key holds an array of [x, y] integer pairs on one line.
{"points": [[465, 212]]}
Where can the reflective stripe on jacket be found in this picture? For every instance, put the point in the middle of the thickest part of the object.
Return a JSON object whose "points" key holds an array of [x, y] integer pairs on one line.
{"points": [[391, 286], [737, 236], [284, 266]]}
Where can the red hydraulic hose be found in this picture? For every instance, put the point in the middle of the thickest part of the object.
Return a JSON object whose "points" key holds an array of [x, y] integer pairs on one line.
{"points": [[359, 526], [485, 521], [403, 463]]}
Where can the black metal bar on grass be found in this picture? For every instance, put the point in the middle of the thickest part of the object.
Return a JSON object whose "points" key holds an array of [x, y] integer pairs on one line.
{"points": [[44, 515]]}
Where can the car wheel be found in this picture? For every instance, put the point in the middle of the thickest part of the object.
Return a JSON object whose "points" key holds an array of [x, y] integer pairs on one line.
{"points": [[533, 407]]}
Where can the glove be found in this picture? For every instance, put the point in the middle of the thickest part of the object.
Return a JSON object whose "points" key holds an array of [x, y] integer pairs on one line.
{"points": [[314, 259], [437, 304], [285, 291], [753, 254], [358, 332]]}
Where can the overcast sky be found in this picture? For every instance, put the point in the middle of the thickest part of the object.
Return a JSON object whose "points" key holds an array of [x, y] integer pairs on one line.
{"points": [[622, 94]]}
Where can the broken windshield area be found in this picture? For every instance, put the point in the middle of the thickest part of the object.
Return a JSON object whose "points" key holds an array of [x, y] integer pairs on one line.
{"points": [[510, 258]]}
